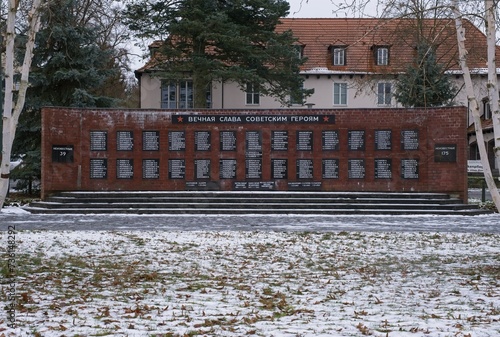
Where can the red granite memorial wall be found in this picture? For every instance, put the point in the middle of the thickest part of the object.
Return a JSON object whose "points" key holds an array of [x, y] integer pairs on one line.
{"points": [[393, 150]]}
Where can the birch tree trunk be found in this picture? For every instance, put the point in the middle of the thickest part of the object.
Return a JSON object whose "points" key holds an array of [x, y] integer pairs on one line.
{"points": [[491, 15], [490, 182], [12, 111]]}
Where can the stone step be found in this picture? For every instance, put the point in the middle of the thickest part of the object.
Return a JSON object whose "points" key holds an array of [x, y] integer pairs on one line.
{"points": [[259, 203]]}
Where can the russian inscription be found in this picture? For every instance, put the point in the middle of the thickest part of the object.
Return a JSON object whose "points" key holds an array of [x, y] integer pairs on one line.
{"points": [[356, 140], [150, 140], [124, 140], [151, 168], [98, 141], [356, 168], [330, 168], [330, 140], [177, 141]]}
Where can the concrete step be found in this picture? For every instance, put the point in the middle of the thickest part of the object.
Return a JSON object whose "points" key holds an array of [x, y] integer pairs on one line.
{"points": [[196, 203]]}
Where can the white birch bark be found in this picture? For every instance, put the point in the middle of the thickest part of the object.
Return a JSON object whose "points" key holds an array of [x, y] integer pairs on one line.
{"points": [[491, 15], [11, 111], [488, 176]]}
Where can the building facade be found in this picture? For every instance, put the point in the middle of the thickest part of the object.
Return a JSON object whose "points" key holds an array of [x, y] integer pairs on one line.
{"points": [[351, 64]]}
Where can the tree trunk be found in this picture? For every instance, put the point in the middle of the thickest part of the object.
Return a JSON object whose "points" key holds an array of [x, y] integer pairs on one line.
{"points": [[492, 75], [11, 112], [490, 182]]}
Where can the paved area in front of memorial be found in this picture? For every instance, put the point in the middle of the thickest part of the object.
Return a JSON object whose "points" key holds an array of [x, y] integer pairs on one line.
{"points": [[433, 223]]}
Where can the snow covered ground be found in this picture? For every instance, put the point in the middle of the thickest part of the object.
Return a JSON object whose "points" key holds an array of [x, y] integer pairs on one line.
{"points": [[254, 282]]}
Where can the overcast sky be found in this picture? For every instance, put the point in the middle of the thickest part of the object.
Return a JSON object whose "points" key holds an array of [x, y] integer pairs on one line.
{"points": [[329, 9]]}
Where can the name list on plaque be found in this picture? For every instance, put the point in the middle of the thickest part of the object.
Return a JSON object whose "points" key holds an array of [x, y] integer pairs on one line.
{"points": [[330, 168], [279, 168], [383, 139], [176, 168], [409, 140], [124, 140], [124, 168], [279, 140], [409, 168], [383, 168], [356, 140], [151, 168], [253, 144], [202, 140], [98, 141], [304, 140], [98, 168], [330, 140], [150, 140], [253, 168], [227, 140], [202, 168], [227, 168], [356, 168], [304, 168], [176, 140]]}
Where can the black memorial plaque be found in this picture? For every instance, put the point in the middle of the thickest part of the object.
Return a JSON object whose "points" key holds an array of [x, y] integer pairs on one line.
{"points": [[124, 168], [227, 168], [304, 140], [253, 168], [150, 140], [279, 168], [202, 168], [124, 140], [177, 140], [151, 168], [409, 168], [98, 168], [279, 140], [253, 141], [62, 153], [356, 168], [383, 168], [330, 140], [445, 153], [227, 140], [409, 140], [330, 168], [202, 140], [176, 169], [304, 168], [98, 140], [356, 140], [383, 139]]}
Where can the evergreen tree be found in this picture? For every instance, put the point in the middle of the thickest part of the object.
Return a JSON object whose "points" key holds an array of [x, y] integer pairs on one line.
{"points": [[424, 84], [220, 40], [69, 69]]}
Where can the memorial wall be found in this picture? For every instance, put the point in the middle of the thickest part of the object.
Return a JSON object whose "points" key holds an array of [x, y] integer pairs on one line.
{"points": [[393, 150]]}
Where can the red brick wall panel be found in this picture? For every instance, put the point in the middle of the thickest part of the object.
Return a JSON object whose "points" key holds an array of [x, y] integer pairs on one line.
{"points": [[66, 126]]}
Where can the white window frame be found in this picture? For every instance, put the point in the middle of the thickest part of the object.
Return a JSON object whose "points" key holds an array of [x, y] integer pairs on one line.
{"points": [[340, 93], [382, 56], [252, 96], [384, 96], [339, 56]]}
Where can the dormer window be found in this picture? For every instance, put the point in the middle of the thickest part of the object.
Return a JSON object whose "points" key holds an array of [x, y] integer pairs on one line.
{"points": [[339, 55], [382, 56], [299, 50]]}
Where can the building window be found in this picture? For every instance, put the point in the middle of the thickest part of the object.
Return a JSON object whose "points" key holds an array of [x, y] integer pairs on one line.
{"points": [[339, 93], [339, 58], [384, 93], [382, 55], [299, 50], [253, 95], [177, 95], [486, 109]]}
